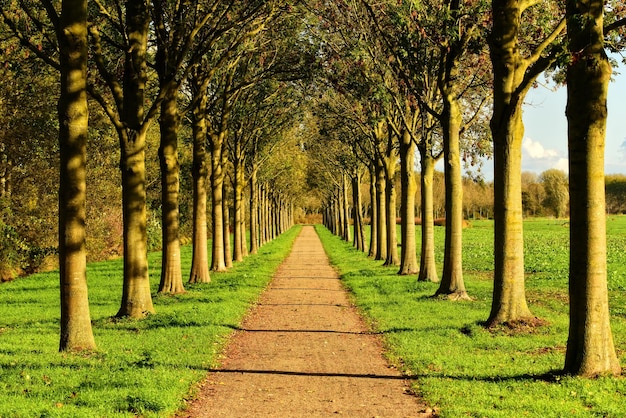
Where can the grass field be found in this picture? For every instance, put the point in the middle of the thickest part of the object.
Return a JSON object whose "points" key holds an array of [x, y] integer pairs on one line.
{"points": [[148, 367], [462, 369], [142, 367]]}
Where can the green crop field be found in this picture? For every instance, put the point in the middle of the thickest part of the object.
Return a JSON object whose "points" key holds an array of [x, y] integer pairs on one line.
{"points": [[462, 369], [141, 367]]}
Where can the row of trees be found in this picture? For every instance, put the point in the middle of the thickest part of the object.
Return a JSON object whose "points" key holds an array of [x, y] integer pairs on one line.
{"points": [[393, 79], [544, 194], [221, 69], [418, 75]]}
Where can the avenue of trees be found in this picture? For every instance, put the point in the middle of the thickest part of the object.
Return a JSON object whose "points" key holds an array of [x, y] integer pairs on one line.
{"points": [[435, 72], [208, 118]]}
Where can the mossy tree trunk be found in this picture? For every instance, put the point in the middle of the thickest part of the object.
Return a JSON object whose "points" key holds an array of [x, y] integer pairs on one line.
{"points": [[392, 258], [171, 273], [228, 254], [428, 267], [408, 253], [357, 210], [590, 348], [76, 332], [346, 208], [200, 255], [514, 74], [452, 283], [217, 203], [254, 213], [136, 297], [262, 216], [381, 226], [238, 188], [374, 213]]}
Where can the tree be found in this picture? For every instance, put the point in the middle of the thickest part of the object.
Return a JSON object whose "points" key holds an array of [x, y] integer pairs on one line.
{"points": [[590, 349], [554, 183], [533, 194], [200, 256], [76, 332], [616, 193], [517, 59]]}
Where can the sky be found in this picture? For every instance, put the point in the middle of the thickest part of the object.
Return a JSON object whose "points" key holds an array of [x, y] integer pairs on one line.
{"points": [[545, 137]]}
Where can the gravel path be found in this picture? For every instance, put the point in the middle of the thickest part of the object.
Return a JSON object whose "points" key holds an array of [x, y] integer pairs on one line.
{"points": [[304, 351]]}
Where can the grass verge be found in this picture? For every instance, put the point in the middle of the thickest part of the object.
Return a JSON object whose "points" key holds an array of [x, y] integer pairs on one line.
{"points": [[141, 367], [462, 369]]}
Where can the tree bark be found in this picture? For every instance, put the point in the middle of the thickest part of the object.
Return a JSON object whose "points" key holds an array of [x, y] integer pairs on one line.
{"points": [[228, 255], [392, 258], [171, 274], [218, 262], [338, 226], [76, 332], [590, 348], [254, 213], [200, 257], [346, 208], [262, 216], [452, 276], [509, 299], [359, 237], [381, 228], [408, 254], [428, 266], [239, 231], [136, 297], [374, 210]]}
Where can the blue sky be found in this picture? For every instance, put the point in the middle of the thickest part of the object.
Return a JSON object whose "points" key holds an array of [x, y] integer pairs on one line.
{"points": [[545, 138]]}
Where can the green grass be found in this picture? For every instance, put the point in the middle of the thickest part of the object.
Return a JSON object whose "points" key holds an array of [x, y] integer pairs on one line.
{"points": [[141, 367], [460, 368]]}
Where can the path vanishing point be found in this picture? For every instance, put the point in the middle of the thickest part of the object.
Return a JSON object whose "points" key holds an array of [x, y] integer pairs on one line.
{"points": [[303, 351]]}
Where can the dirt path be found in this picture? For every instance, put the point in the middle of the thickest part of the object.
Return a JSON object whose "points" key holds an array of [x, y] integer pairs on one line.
{"points": [[304, 351]]}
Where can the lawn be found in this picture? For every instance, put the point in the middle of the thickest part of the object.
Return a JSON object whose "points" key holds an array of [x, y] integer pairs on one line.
{"points": [[149, 367], [462, 369], [141, 367]]}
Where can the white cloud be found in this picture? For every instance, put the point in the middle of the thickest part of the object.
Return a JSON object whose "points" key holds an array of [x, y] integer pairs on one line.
{"points": [[535, 150], [562, 164], [535, 157]]}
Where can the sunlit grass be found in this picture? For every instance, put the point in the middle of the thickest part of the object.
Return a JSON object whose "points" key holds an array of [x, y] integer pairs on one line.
{"points": [[141, 367], [462, 369]]}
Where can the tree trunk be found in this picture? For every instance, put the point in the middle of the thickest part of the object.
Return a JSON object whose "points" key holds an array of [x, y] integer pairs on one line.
{"points": [[452, 276], [171, 274], [76, 332], [381, 228], [346, 208], [408, 254], [200, 258], [228, 255], [136, 297], [217, 216], [590, 349], [509, 299], [238, 186], [392, 258], [242, 229], [374, 214], [338, 227], [359, 237], [254, 213], [428, 267], [262, 217]]}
